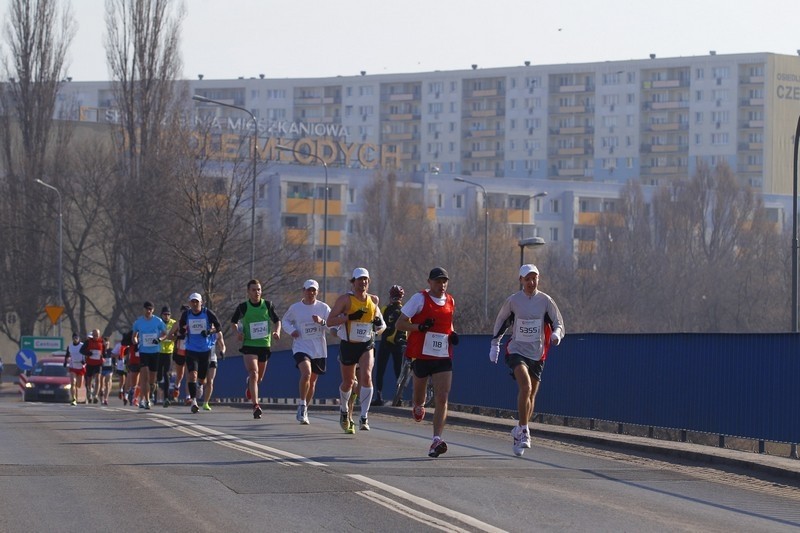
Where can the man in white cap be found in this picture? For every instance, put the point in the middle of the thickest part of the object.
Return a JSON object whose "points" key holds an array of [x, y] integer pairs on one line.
{"points": [[305, 322], [359, 317], [536, 325], [201, 325]]}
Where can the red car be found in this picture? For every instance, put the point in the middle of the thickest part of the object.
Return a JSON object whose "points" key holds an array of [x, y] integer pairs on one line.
{"points": [[47, 382]]}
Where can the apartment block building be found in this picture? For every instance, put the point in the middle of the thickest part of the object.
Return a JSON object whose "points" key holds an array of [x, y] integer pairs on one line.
{"points": [[575, 131]]}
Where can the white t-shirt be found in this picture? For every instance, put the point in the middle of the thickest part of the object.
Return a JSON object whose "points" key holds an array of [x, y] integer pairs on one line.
{"points": [[75, 355], [415, 303], [312, 335]]}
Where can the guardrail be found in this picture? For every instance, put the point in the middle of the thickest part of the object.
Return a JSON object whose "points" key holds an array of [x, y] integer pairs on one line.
{"points": [[730, 385]]}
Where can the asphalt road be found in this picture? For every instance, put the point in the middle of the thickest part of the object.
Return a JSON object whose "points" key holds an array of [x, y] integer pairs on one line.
{"points": [[92, 468]]}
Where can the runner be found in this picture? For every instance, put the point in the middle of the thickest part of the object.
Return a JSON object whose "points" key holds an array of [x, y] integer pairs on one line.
{"points": [[537, 324], [428, 317], [148, 331], [106, 371], [120, 353], [358, 313], [305, 322], [254, 320], [73, 358], [165, 353], [217, 355], [93, 349], [201, 324], [393, 342]]}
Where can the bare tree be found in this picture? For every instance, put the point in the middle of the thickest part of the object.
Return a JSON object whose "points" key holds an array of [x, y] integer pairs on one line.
{"points": [[37, 34], [142, 48]]}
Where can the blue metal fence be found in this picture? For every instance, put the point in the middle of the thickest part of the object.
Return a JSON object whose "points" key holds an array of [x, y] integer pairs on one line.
{"points": [[738, 385]]}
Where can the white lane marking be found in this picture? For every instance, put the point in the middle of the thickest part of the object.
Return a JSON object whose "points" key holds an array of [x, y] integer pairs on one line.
{"points": [[230, 441], [461, 517], [396, 507], [247, 446]]}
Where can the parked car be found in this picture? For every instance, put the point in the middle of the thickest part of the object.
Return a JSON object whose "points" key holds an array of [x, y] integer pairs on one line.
{"points": [[48, 381]]}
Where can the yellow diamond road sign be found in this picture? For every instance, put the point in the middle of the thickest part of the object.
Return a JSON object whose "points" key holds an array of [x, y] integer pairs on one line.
{"points": [[54, 312]]}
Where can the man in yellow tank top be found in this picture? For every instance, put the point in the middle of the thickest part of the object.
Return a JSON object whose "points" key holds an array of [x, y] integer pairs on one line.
{"points": [[359, 320]]}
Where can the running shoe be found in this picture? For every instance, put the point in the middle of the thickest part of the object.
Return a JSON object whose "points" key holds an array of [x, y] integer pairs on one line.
{"points": [[344, 421], [247, 394], [74, 402], [166, 402], [194, 407], [526, 438], [206, 407], [438, 447], [135, 402], [105, 402], [351, 428], [121, 394], [517, 447], [257, 412], [187, 401], [364, 426], [124, 400], [301, 414], [147, 404], [418, 412], [141, 404], [175, 393], [94, 399]]}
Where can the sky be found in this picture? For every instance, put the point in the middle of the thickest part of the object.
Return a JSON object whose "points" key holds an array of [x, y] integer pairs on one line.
{"points": [[224, 39]]}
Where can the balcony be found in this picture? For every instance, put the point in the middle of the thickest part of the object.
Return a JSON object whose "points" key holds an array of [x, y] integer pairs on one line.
{"points": [[483, 113], [297, 236], [481, 93], [483, 133], [400, 97], [578, 150], [582, 88]]}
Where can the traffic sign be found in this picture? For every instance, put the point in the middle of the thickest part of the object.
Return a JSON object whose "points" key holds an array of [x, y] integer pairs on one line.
{"points": [[26, 359], [42, 344], [54, 312]]}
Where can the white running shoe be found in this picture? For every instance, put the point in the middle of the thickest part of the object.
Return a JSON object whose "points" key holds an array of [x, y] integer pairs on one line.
{"points": [[526, 438], [302, 414], [517, 434]]}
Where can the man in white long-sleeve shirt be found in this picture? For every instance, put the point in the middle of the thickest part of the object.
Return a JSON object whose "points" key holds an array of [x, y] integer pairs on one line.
{"points": [[536, 325], [305, 321]]}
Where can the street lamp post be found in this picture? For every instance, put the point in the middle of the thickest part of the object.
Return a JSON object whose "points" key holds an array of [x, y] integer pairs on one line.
{"points": [[325, 215], [485, 246], [794, 229], [522, 243], [205, 100], [60, 249]]}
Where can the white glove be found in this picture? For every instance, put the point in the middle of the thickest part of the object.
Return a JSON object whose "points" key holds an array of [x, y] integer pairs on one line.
{"points": [[555, 340], [494, 352]]}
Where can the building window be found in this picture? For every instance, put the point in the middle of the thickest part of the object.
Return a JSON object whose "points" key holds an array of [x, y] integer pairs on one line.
{"points": [[458, 201], [553, 234], [351, 195], [555, 207]]}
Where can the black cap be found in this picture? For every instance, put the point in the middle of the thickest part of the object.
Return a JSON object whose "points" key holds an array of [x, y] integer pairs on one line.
{"points": [[76, 336], [148, 303], [437, 273], [165, 309]]}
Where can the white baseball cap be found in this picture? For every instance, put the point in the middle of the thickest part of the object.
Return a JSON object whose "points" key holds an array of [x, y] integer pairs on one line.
{"points": [[196, 296], [524, 270], [309, 283], [360, 273]]}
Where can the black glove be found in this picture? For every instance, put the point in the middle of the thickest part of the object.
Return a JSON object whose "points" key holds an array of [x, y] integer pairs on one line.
{"points": [[453, 338], [425, 326], [356, 315], [221, 355], [377, 321], [204, 333], [156, 341]]}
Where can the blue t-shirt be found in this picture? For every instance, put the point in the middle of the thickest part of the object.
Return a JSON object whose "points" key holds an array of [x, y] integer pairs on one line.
{"points": [[149, 330], [195, 325]]}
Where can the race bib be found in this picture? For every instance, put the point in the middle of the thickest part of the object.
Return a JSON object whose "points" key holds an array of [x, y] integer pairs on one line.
{"points": [[360, 331], [96, 355], [311, 330], [258, 330], [435, 345], [527, 330], [148, 338], [196, 325]]}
